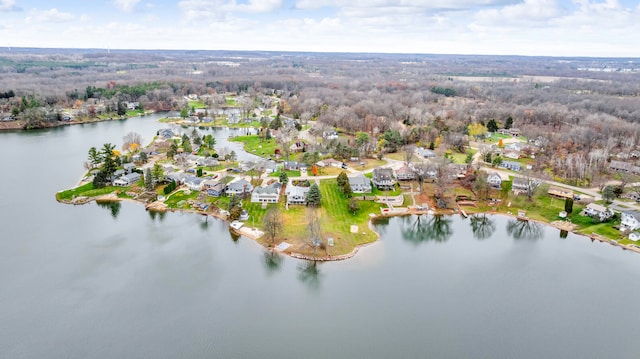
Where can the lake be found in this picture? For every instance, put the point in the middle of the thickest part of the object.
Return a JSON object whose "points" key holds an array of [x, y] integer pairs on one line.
{"points": [[117, 281]]}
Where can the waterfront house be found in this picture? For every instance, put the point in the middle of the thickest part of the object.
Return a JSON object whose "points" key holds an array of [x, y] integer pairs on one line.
{"points": [[127, 180], [266, 194], [523, 185], [494, 180], [597, 211], [405, 173], [630, 220], [359, 183], [383, 178], [239, 187], [178, 177], [165, 133], [296, 194], [194, 183], [214, 188]]}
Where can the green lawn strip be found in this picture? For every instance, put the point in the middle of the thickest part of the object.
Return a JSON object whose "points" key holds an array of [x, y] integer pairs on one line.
{"points": [[256, 145], [196, 104], [87, 190], [289, 174], [178, 196], [337, 220]]}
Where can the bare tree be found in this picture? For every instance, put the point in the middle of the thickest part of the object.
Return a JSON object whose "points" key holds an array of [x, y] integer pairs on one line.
{"points": [[273, 223], [409, 152], [315, 230], [132, 142]]}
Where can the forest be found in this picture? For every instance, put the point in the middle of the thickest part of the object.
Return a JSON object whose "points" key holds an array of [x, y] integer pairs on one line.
{"points": [[579, 114]]}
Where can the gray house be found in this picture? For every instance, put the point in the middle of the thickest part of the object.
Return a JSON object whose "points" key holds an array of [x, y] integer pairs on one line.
{"points": [[359, 183], [383, 178], [239, 187], [127, 180], [510, 165]]}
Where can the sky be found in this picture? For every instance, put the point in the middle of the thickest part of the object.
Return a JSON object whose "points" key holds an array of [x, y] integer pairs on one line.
{"points": [[607, 28]]}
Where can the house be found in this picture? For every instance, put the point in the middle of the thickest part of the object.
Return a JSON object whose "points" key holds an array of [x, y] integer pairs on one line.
{"points": [[330, 135], [194, 183], [559, 192], [296, 194], [522, 184], [383, 178], [405, 173], [359, 183], [244, 215], [630, 220], [127, 180], [128, 167], [634, 236], [207, 162], [239, 187], [597, 211], [297, 146], [513, 154], [510, 165], [494, 180], [329, 162], [214, 188], [132, 105], [178, 177], [268, 166], [165, 133], [457, 170], [266, 194], [626, 167], [292, 165], [424, 152]]}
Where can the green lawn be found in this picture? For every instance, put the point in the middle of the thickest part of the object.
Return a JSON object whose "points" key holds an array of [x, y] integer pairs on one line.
{"points": [[289, 174], [196, 104], [87, 190], [175, 199], [461, 158], [337, 220], [256, 145]]}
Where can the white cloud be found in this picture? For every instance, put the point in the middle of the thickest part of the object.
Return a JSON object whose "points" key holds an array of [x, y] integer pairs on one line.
{"points": [[8, 5], [529, 12], [199, 9], [48, 16], [419, 4], [126, 5]]}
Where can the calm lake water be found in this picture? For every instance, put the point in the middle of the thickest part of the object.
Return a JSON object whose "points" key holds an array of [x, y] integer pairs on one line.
{"points": [[116, 281]]}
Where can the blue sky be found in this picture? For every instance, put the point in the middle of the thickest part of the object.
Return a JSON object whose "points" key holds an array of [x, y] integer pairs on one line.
{"points": [[520, 27]]}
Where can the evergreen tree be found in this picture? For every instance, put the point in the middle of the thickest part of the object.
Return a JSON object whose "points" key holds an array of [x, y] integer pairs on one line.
{"points": [[568, 205], [353, 205], [508, 123], [284, 178], [157, 172], [492, 126], [148, 180], [342, 179], [314, 196], [94, 157], [143, 157], [346, 189]]}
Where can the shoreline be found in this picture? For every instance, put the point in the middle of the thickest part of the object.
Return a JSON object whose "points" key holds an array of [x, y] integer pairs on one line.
{"points": [[340, 257], [18, 125]]}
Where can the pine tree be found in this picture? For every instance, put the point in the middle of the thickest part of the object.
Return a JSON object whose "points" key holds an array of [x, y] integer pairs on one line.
{"points": [[148, 180], [314, 196]]}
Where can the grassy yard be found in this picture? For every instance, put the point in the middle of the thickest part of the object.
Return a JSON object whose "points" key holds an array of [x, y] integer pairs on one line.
{"points": [[256, 145], [196, 104], [178, 199], [289, 174], [461, 158], [337, 220], [87, 190]]}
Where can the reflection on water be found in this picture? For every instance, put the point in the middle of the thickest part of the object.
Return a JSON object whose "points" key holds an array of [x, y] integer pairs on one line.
{"points": [[156, 214], [272, 261], [114, 207], [425, 228], [524, 229], [563, 234], [482, 226], [309, 274]]}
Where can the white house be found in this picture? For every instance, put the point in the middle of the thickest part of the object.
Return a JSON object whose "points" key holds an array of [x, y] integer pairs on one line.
{"points": [[495, 180], [359, 183], [296, 194], [600, 212], [127, 180], [405, 173], [383, 178], [630, 221], [194, 183], [266, 194]]}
